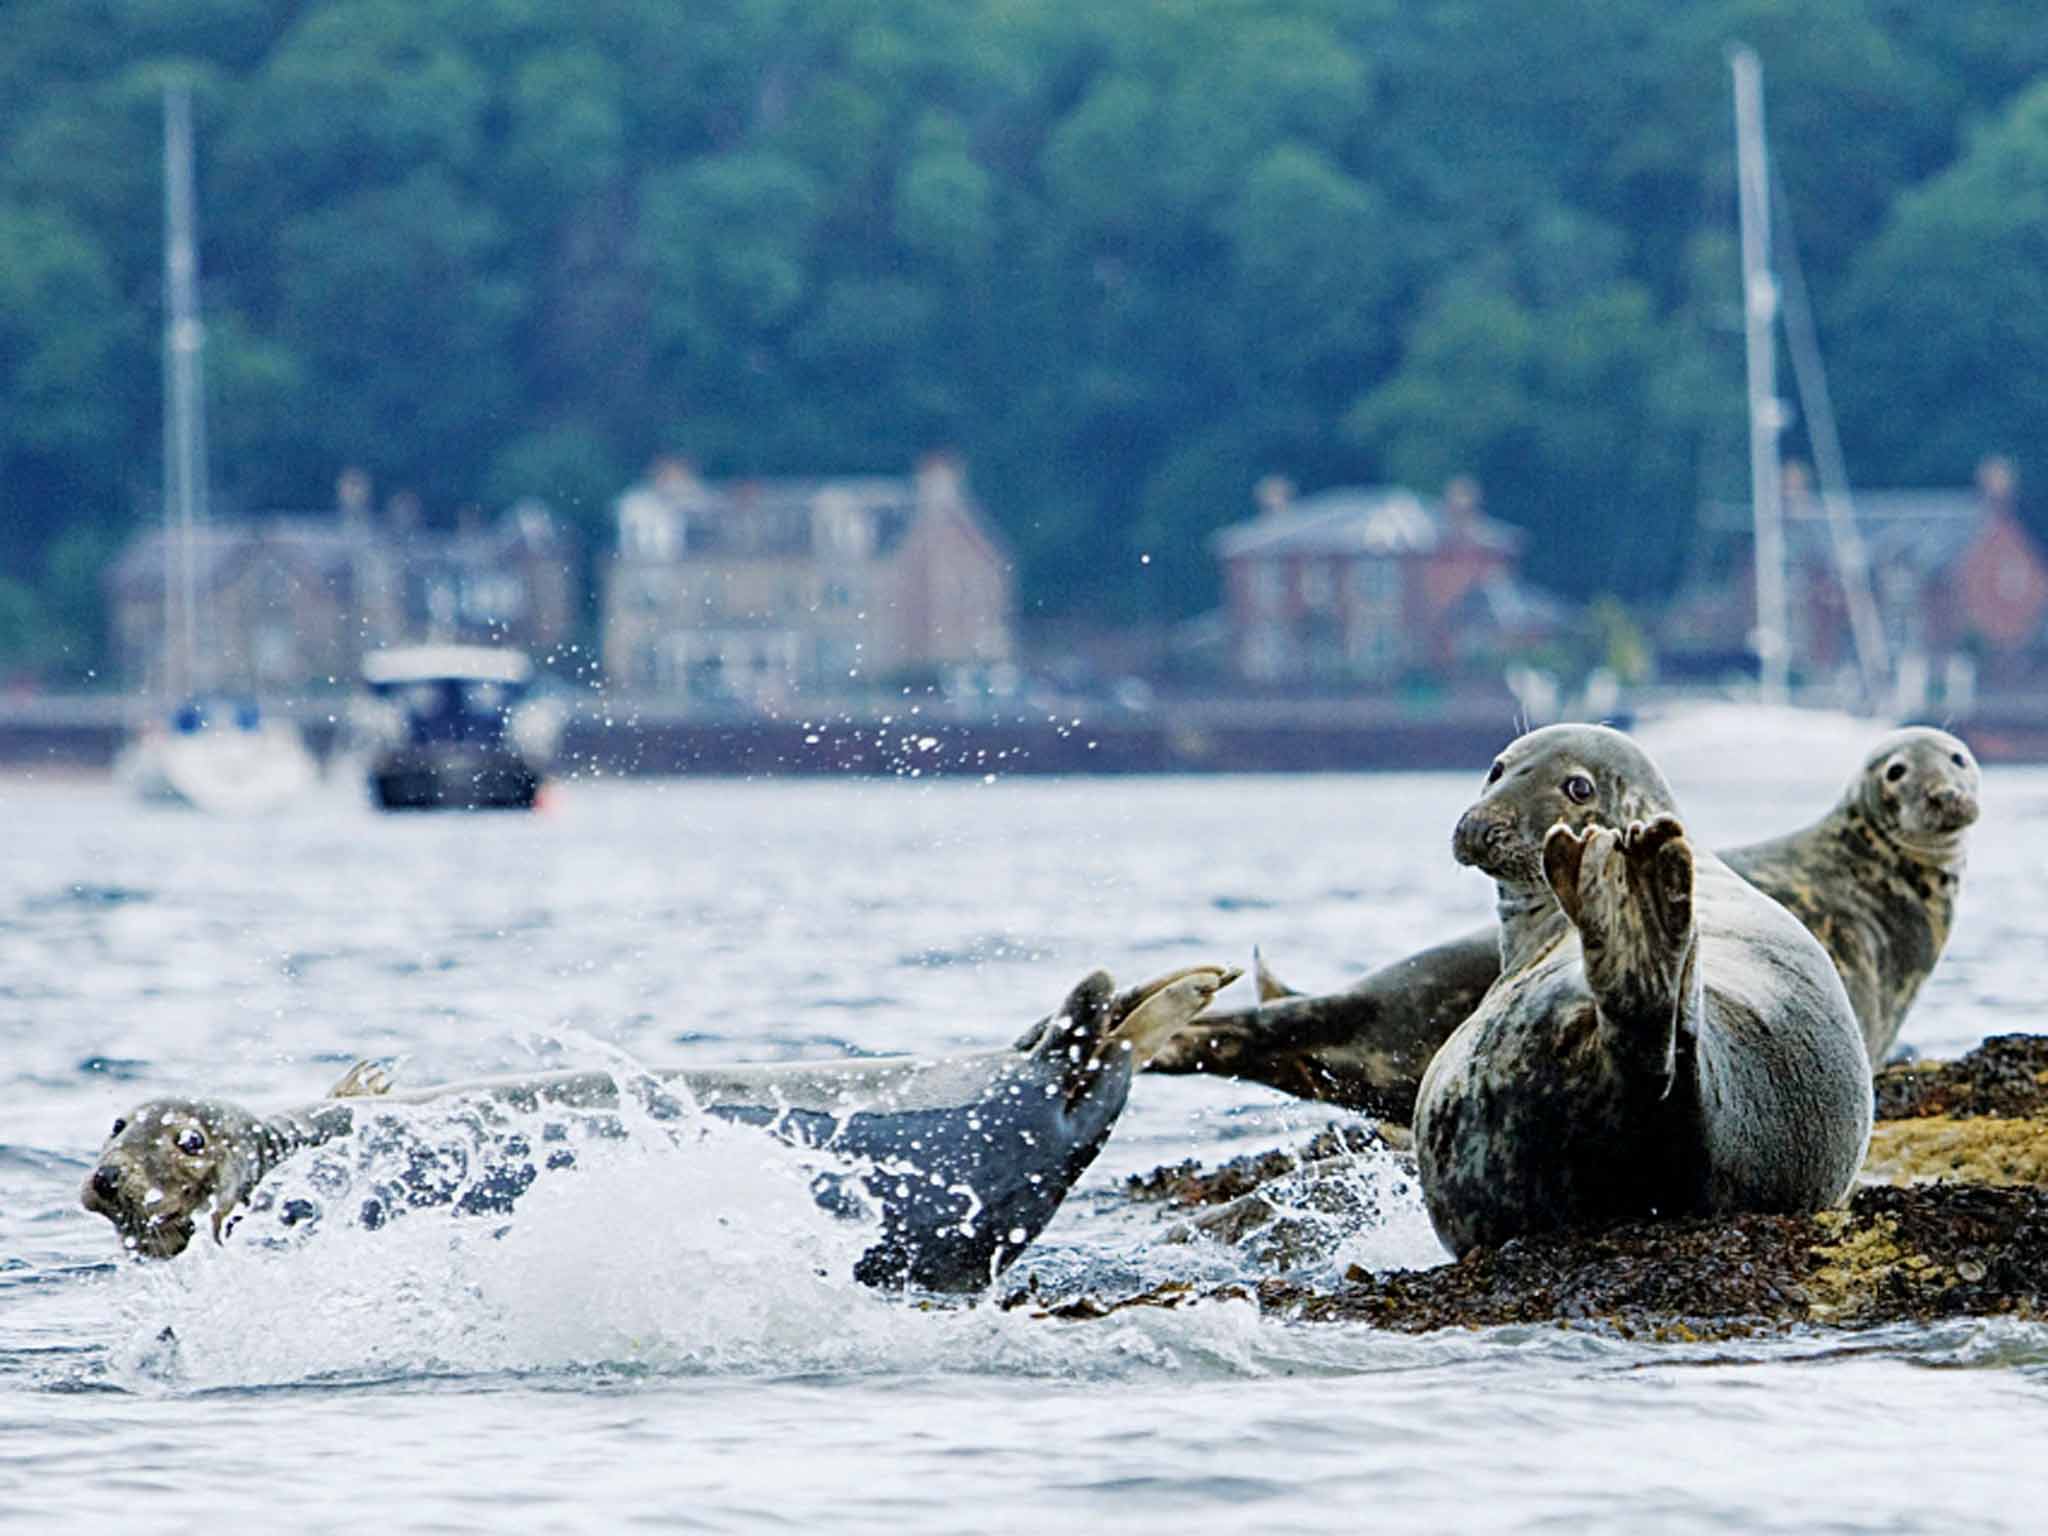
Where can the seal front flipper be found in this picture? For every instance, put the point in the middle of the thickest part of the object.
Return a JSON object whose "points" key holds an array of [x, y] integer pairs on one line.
{"points": [[1630, 896]]}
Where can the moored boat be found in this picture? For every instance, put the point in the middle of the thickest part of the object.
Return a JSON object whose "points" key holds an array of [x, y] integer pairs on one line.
{"points": [[455, 727]]}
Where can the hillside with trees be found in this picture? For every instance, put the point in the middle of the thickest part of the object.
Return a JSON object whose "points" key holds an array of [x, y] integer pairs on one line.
{"points": [[1126, 256]]}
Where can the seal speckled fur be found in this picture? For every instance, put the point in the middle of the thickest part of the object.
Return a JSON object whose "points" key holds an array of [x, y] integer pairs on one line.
{"points": [[1664, 1040], [1875, 880], [1000, 1136]]}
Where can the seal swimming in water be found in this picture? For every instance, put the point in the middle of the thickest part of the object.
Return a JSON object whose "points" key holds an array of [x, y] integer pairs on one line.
{"points": [[1664, 1040], [1875, 880], [975, 1152]]}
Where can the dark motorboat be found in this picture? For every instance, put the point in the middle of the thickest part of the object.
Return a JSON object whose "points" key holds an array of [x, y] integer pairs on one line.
{"points": [[455, 727]]}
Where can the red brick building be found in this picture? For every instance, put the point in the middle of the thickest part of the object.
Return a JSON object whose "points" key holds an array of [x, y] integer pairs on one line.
{"points": [[1372, 584], [1961, 587]]}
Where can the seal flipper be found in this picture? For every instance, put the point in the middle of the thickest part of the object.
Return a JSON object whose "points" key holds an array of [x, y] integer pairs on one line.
{"points": [[1271, 987], [1629, 895], [1170, 1003], [366, 1079]]}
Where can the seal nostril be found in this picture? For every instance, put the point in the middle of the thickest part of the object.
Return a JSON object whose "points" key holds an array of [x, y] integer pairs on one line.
{"points": [[106, 1182]]}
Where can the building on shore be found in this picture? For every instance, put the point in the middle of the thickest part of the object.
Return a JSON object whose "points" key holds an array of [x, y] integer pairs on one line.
{"points": [[288, 602], [1960, 587], [1371, 586], [754, 593]]}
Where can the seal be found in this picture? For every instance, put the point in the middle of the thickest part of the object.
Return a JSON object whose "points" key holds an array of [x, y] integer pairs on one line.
{"points": [[965, 1157], [1875, 880], [1664, 1040]]}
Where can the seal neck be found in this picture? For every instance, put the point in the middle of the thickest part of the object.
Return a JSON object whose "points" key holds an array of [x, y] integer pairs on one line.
{"points": [[1531, 922]]}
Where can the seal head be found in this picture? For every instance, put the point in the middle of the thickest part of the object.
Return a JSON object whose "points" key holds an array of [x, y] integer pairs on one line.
{"points": [[1577, 776], [170, 1161], [1922, 785]]}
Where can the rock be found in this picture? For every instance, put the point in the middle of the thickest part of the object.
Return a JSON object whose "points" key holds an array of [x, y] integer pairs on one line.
{"points": [[1894, 1255], [1951, 1220]]}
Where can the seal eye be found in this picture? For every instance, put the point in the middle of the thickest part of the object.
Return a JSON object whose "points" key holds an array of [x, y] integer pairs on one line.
{"points": [[1498, 770], [1579, 789], [190, 1142], [1896, 772], [1957, 759], [119, 1127]]}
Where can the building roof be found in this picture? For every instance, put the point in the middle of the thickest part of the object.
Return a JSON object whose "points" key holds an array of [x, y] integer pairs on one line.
{"points": [[1349, 520], [327, 544], [1924, 530], [1502, 604], [314, 541], [776, 517]]}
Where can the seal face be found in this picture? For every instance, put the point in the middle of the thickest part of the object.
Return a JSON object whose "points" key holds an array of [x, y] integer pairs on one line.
{"points": [[1663, 1039], [169, 1161]]}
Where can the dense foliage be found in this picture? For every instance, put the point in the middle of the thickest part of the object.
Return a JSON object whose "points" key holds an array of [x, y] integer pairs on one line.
{"points": [[1127, 255]]}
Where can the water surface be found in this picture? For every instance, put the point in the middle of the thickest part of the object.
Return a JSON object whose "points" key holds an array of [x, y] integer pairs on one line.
{"points": [[668, 1340]]}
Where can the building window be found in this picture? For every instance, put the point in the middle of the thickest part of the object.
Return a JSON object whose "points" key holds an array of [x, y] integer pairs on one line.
{"points": [[1268, 587], [1376, 583], [1318, 585]]}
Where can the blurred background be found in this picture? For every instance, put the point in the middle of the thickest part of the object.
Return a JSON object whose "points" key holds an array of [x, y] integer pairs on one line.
{"points": [[755, 359]]}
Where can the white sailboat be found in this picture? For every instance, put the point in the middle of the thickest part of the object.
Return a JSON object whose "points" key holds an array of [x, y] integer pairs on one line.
{"points": [[212, 751], [1766, 735]]}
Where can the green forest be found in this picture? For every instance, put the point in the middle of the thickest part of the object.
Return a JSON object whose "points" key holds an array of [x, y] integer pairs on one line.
{"points": [[1126, 256]]}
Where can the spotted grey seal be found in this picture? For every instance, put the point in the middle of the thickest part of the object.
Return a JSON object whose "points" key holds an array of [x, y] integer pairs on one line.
{"points": [[1875, 880], [975, 1152], [1664, 1040]]}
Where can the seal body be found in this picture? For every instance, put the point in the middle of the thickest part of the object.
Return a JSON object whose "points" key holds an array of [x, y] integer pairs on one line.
{"points": [[1663, 1039], [964, 1158], [1876, 881]]}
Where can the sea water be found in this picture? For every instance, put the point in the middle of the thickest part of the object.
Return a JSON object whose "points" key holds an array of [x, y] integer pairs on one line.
{"points": [[668, 1338]]}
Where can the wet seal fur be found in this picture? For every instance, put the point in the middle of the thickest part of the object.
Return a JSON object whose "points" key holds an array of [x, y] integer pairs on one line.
{"points": [[1664, 1040], [1875, 880], [976, 1151]]}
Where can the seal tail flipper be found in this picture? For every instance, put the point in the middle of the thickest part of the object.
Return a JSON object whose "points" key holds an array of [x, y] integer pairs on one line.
{"points": [[366, 1079], [1168, 1005], [1271, 987], [1629, 894]]}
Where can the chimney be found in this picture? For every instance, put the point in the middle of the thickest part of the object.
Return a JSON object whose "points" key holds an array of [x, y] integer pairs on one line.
{"points": [[675, 478], [941, 478], [1461, 502], [1795, 486], [1997, 484], [352, 496], [1274, 495]]}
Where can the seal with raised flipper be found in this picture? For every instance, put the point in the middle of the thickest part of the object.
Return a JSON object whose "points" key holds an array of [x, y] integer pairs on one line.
{"points": [[975, 1152], [1664, 1040], [1875, 880]]}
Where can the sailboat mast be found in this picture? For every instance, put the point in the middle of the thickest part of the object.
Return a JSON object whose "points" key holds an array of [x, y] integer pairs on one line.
{"points": [[1766, 414], [184, 412]]}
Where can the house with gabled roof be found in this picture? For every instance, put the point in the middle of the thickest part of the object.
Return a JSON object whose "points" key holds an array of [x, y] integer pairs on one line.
{"points": [[289, 602], [758, 592], [1960, 585], [1370, 585]]}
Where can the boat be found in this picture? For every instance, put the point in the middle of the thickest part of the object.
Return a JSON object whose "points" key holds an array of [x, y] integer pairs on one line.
{"points": [[218, 753], [199, 748], [454, 727], [1768, 733]]}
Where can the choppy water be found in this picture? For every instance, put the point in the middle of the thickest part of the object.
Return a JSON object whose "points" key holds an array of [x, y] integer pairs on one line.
{"points": [[665, 1341]]}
